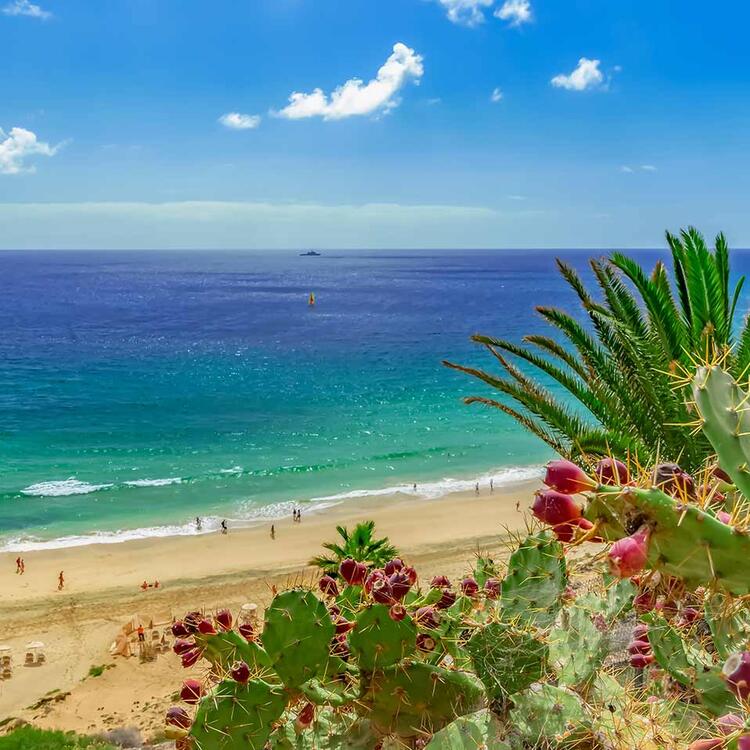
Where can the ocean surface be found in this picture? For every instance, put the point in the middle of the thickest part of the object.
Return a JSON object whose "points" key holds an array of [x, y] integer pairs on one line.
{"points": [[139, 390]]}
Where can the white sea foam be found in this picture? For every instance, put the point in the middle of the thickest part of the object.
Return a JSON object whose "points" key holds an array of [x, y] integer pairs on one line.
{"points": [[153, 482], [62, 488], [249, 514]]}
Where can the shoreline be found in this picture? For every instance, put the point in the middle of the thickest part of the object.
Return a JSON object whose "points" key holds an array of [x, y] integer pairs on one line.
{"points": [[427, 491], [102, 587]]}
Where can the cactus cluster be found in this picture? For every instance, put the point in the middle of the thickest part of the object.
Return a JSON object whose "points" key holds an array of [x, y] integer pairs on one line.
{"points": [[524, 657]]}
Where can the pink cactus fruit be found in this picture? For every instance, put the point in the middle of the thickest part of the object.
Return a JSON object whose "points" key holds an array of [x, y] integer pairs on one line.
{"points": [[724, 517], [555, 508], [353, 572], [641, 661], [427, 617], [224, 620], [564, 476], [206, 627], [743, 743], [189, 658], [612, 472], [381, 591], [305, 717], [469, 587], [180, 630], [644, 601], [448, 599], [397, 612], [328, 586], [729, 723], [440, 582], [178, 717], [639, 647], [181, 646], [400, 585], [640, 632], [393, 566], [736, 673], [240, 672], [247, 631], [492, 588], [713, 744], [628, 556], [191, 692], [411, 574]]}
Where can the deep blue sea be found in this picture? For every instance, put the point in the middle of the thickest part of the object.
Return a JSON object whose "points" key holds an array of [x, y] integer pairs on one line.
{"points": [[138, 390]]}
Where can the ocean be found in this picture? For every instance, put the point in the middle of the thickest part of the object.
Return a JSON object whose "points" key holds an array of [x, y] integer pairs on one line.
{"points": [[139, 390]]}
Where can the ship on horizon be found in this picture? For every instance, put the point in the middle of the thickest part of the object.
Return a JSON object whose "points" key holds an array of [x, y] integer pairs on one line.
{"points": [[310, 254]]}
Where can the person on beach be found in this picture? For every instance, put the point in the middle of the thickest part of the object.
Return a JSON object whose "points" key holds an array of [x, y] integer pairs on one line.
{"points": [[492, 485], [476, 488], [144, 586], [224, 528], [415, 486], [23, 566], [18, 565], [273, 532], [198, 523], [61, 581], [141, 634]]}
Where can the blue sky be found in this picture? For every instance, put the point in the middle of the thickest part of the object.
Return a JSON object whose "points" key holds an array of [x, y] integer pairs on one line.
{"points": [[168, 123]]}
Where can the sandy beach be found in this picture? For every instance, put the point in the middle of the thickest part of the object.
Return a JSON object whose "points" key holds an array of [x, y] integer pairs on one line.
{"points": [[102, 591]]}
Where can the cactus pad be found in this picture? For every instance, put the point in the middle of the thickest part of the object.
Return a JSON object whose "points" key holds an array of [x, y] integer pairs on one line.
{"points": [[473, 732], [505, 659], [379, 641], [296, 636], [224, 649], [235, 716], [536, 578], [545, 714]]}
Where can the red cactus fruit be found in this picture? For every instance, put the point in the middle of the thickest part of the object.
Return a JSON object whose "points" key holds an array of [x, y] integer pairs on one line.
{"points": [[569, 594], [564, 476], [181, 646], [393, 566], [688, 616], [713, 744], [411, 574], [397, 612], [425, 642], [179, 630], [641, 661], [240, 672], [645, 601], [639, 647], [342, 625], [191, 657], [328, 586], [191, 691], [305, 717], [736, 673], [448, 599], [353, 572], [191, 621], [729, 723], [440, 582], [206, 627], [381, 591], [554, 508], [224, 619], [340, 647], [247, 631], [640, 632], [178, 717], [427, 617], [628, 556], [743, 743], [611, 471], [469, 587], [492, 588], [672, 480], [399, 585], [375, 575], [721, 475]]}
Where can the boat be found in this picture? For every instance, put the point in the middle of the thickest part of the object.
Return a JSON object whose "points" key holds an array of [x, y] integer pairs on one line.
{"points": [[310, 254], [311, 299]]}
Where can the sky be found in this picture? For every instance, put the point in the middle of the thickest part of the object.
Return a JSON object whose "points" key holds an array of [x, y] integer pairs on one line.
{"points": [[372, 124]]}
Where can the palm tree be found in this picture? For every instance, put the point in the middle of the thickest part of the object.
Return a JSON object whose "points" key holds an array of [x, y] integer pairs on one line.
{"points": [[360, 545], [619, 366]]}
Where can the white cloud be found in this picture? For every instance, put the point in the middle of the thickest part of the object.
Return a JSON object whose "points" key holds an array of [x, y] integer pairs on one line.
{"points": [[26, 8], [642, 168], [496, 95], [516, 197], [356, 97], [516, 12], [466, 12], [238, 121], [19, 145], [587, 75]]}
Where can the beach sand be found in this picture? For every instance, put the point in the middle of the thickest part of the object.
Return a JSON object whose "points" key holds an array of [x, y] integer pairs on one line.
{"points": [[102, 592]]}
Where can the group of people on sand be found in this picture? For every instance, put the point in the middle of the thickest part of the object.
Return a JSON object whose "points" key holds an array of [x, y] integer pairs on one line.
{"points": [[20, 566], [297, 515], [146, 585]]}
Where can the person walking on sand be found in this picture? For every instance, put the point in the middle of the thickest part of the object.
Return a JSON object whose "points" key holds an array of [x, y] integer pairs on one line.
{"points": [[273, 532], [492, 485], [23, 566], [224, 528], [198, 523], [61, 581], [18, 565], [476, 488]]}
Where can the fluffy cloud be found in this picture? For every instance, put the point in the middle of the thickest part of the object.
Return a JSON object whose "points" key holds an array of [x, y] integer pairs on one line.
{"points": [[19, 145], [238, 121], [587, 75], [26, 8], [642, 168], [496, 95], [466, 12], [516, 12], [356, 97]]}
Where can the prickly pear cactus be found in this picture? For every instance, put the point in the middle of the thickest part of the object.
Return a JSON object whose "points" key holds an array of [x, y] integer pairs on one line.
{"points": [[380, 641], [479, 730]]}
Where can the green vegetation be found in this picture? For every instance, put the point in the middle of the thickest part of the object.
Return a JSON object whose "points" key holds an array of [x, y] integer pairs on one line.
{"points": [[29, 738], [617, 365], [359, 545]]}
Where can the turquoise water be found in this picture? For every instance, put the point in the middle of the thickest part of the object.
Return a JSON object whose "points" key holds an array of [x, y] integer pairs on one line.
{"points": [[138, 390]]}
